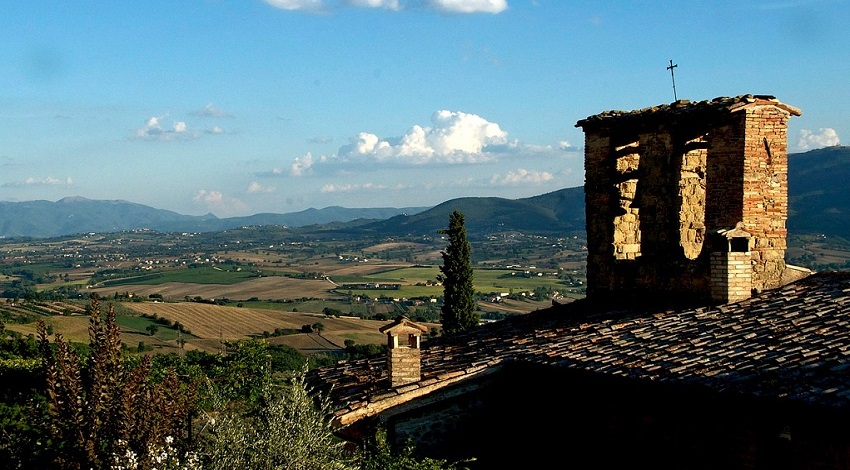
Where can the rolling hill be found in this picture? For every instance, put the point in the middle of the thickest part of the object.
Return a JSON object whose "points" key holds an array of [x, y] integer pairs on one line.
{"points": [[71, 215], [819, 202], [818, 196], [559, 212]]}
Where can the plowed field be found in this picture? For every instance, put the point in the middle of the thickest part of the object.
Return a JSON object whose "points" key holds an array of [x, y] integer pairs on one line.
{"points": [[213, 322], [273, 287]]}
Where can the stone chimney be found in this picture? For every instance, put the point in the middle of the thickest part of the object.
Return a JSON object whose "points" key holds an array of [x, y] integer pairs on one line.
{"points": [[403, 355]]}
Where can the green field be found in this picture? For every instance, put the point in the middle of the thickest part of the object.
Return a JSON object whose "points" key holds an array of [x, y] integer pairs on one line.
{"points": [[484, 280], [204, 275], [140, 324], [305, 306], [506, 280]]}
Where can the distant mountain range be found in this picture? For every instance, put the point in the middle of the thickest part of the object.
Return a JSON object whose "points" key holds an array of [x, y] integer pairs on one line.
{"points": [[818, 192], [819, 202], [73, 215]]}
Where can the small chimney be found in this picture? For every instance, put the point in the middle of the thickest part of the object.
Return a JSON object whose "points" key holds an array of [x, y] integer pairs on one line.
{"points": [[731, 265], [403, 355]]}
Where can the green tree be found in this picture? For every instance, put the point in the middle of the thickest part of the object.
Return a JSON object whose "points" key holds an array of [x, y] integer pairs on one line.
{"points": [[458, 313], [291, 430], [152, 329], [378, 454]]}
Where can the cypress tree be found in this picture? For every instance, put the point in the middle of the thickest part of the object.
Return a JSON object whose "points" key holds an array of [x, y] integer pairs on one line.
{"points": [[458, 312]]}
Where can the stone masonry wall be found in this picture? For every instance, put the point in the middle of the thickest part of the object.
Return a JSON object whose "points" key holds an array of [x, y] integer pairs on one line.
{"points": [[659, 179]]}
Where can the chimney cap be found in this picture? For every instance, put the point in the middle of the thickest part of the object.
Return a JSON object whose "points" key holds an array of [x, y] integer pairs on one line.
{"points": [[402, 325]]}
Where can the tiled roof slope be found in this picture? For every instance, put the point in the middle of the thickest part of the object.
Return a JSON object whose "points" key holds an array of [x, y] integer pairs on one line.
{"points": [[790, 343], [722, 104]]}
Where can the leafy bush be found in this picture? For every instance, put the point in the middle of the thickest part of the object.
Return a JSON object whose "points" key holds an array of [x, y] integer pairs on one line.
{"points": [[290, 432]]}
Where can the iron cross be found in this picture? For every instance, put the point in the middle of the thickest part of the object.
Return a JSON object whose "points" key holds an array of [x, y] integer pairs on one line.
{"points": [[670, 68]]}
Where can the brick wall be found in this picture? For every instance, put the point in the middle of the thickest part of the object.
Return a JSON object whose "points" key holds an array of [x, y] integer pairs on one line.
{"points": [[404, 365], [731, 276], [658, 180]]}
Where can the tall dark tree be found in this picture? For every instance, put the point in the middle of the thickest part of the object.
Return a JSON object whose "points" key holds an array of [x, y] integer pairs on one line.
{"points": [[458, 313]]}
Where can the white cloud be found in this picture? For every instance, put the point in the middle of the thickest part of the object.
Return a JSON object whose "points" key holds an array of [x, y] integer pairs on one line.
{"points": [[208, 197], [454, 137], [154, 130], [388, 4], [522, 176], [470, 6], [566, 145], [307, 5], [446, 6], [301, 165], [255, 188], [348, 187], [47, 181], [216, 201], [211, 111], [823, 137]]}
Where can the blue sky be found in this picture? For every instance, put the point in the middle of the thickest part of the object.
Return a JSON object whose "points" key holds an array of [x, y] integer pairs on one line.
{"points": [[238, 107]]}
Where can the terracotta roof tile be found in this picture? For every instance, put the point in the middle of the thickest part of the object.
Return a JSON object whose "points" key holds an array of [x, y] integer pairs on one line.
{"points": [[790, 343]]}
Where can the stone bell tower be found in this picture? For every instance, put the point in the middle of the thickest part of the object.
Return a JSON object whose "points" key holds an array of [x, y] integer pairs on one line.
{"points": [[660, 181]]}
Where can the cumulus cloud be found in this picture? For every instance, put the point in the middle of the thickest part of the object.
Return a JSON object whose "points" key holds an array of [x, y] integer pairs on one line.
{"points": [[211, 111], [154, 130], [823, 137], [257, 188], [454, 137], [48, 181], [522, 176], [470, 6], [350, 187], [157, 129], [307, 5], [208, 197], [388, 4], [565, 145], [216, 201], [445, 6], [301, 165]]}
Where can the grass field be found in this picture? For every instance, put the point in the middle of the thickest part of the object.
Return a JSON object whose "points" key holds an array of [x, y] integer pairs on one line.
{"points": [[484, 280], [202, 275], [276, 288], [141, 324]]}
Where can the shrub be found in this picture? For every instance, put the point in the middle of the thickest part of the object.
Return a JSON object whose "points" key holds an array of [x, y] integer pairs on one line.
{"points": [[102, 407]]}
